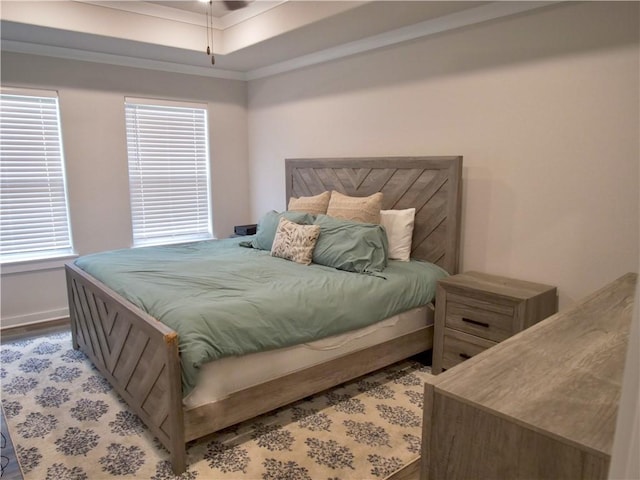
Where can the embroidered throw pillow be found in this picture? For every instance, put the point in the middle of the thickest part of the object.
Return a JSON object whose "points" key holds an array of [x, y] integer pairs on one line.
{"points": [[356, 209], [314, 205], [295, 242], [268, 225]]}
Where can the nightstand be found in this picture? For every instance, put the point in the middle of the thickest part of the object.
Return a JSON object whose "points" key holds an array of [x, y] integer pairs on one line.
{"points": [[475, 311], [243, 230]]}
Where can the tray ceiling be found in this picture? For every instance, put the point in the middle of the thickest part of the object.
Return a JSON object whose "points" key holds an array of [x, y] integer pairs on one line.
{"points": [[264, 38]]}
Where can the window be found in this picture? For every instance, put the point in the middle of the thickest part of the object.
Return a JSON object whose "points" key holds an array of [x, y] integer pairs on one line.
{"points": [[34, 220], [168, 171]]}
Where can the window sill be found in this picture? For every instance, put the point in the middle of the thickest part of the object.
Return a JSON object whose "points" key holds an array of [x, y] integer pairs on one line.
{"points": [[34, 265], [174, 241]]}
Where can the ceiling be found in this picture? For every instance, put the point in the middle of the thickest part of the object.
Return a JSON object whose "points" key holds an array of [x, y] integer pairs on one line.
{"points": [[264, 38], [217, 8]]}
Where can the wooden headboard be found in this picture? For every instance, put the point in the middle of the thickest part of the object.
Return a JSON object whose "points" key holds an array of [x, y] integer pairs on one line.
{"points": [[430, 184]]}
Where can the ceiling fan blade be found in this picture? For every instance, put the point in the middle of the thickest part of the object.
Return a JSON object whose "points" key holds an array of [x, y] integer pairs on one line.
{"points": [[234, 4]]}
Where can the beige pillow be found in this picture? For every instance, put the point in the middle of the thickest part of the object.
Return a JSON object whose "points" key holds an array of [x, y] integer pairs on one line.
{"points": [[295, 242], [314, 205], [357, 209]]}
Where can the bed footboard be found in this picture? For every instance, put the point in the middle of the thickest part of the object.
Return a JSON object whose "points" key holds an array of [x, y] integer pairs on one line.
{"points": [[137, 354]]}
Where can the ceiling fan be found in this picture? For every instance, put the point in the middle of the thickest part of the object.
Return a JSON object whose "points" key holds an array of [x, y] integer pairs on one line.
{"points": [[234, 4]]}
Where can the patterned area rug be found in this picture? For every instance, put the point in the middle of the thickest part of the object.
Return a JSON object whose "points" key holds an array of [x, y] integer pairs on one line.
{"points": [[67, 423], [10, 467]]}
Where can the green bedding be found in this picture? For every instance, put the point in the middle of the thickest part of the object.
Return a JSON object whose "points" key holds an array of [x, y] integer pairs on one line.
{"points": [[226, 300]]}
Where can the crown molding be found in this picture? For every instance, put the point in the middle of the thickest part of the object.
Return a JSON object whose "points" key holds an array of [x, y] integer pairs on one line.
{"points": [[153, 10], [451, 21], [120, 60], [230, 19]]}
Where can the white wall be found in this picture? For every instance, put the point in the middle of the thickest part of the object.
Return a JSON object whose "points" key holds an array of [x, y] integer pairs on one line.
{"points": [[543, 106], [91, 98]]}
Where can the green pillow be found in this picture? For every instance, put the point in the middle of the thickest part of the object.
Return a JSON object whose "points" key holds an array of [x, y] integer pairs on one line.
{"points": [[351, 246], [268, 225]]}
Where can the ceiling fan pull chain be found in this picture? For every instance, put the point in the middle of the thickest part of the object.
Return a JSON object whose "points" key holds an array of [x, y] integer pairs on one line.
{"points": [[210, 24], [206, 14], [210, 32]]}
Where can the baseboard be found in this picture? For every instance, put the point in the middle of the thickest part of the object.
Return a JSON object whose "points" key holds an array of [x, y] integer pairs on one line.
{"points": [[34, 328], [33, 318]]}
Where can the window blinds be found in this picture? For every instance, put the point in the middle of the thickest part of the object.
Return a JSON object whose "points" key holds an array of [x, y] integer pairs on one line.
{"points": [[168, 172], [33, 204]]}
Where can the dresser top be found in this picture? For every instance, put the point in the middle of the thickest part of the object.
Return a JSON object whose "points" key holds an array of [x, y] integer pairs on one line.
{"points": [[503, 286], [562, 376]]}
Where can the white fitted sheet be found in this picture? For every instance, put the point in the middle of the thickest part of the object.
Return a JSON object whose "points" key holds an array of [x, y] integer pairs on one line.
{"points": [[222, 377]]}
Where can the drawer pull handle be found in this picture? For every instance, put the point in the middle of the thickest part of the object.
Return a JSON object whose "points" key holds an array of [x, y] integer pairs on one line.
{"points": [[475, 322], [464, 356]]}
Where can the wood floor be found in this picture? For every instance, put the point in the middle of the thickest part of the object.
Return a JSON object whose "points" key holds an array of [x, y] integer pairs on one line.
{"points": [[22, 331]]}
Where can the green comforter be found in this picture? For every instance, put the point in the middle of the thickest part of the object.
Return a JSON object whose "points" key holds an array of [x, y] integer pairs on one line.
{"points": [[225, 300]]}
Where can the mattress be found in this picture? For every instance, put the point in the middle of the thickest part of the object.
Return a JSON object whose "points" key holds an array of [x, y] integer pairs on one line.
{"points": [[220, 378]]}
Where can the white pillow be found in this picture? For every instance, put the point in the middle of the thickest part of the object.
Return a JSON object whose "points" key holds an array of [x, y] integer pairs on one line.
{"points": [[399, 227]]}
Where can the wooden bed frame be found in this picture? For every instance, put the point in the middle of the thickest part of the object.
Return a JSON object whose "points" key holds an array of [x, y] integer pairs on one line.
{"points": [[139, 356]]}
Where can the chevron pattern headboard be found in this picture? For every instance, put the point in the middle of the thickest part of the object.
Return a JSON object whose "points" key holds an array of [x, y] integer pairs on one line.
{"points": [[430, 184]]}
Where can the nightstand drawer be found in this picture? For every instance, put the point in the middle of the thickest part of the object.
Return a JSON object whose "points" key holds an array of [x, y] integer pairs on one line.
{"points": [[459, 347], [485, 323]]}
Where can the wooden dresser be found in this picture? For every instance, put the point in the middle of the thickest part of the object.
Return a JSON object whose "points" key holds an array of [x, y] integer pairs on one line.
{"points": [[541, 404], [475, 311]]}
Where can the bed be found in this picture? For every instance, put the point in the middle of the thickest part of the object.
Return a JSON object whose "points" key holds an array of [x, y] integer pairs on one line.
{"points": [[140, 356]]}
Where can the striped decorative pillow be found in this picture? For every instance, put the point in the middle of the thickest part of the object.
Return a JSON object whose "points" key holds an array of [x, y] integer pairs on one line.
{"points": [[356, 209], [313, 205]]}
